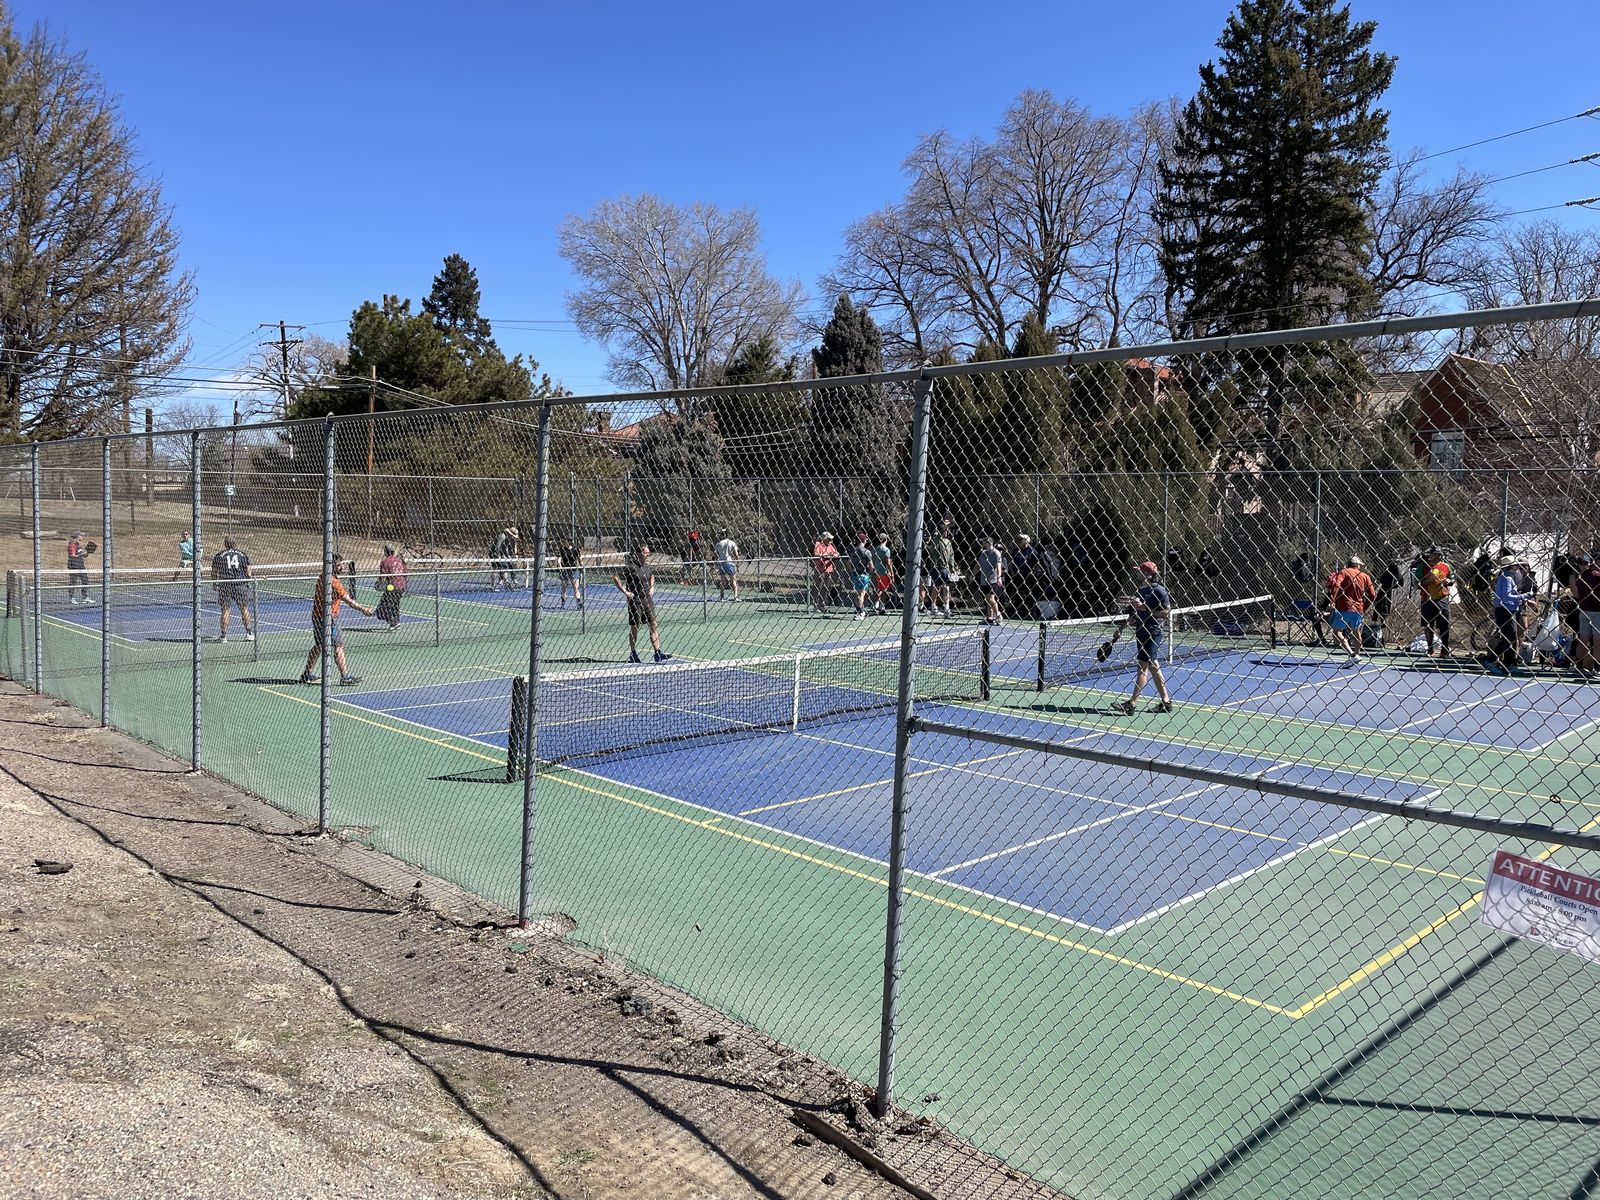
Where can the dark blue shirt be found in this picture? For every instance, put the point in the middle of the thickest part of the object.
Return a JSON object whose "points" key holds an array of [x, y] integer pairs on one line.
{"points": [[1156, 599]]}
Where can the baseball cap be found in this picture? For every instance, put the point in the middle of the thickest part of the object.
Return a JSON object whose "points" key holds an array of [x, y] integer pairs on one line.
{"points": [[1149, 568], [826, 536]]}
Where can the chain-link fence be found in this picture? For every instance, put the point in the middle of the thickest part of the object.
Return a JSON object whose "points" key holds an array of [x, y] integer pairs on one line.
{"points": [[1172, 770]]}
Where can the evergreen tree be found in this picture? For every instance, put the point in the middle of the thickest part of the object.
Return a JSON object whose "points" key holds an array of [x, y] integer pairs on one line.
{"points": [[762, 433], [857, 431], [1031, 413], [1264, 195], [453, 302], [681, 480]]}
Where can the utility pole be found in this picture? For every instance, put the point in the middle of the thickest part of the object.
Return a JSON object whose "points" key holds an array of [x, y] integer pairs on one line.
{"points": [[283, 343]]}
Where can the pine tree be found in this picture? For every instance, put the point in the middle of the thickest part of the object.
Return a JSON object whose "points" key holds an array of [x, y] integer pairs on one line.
{"points": [[453, 301], [857, 430], [1262, 208]]}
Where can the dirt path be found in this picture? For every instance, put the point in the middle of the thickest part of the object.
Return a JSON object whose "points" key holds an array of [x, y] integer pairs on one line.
{"points": [[209, 1004]]}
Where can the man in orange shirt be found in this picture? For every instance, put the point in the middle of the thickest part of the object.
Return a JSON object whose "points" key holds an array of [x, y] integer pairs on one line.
{"points": [[1434, 582], [1349, 592], [340, 596]]}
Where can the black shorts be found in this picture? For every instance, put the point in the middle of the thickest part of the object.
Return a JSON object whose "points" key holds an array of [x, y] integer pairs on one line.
{"points": [[641, 611], [233, 592]]}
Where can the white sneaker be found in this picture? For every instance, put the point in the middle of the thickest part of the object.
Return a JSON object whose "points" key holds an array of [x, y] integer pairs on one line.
{"points": [[249, 637], [223, 640], [861, 616], [947, 614], [72, 599]]}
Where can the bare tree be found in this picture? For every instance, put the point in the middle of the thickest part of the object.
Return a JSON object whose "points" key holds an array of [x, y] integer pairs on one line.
{"points": [[990, 231], [883, 268], [1426, 239], [1541, 262], [313, 362], [676, 292], [92, 302]]}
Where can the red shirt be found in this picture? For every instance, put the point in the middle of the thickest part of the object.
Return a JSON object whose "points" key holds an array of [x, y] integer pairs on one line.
{"points": [[1351, 589]]}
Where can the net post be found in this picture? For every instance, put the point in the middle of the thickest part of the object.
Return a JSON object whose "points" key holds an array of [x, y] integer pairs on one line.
{"points": [[599, 543], [1039, 655], [438, 613], [627, 512], [325, 620], [38, 579], [541, 501], [985, 675], [582, 580], [905, 710], [794, 702], [105, 583], [196, 700]]}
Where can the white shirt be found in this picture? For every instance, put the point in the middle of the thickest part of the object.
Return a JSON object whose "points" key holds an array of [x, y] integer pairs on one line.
{"points": [[727, 550]]}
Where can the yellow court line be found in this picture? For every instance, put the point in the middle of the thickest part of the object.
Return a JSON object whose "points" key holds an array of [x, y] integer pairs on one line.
{"points": [[1405, 866], [350, 716], [964, 909], [1401, 948]]}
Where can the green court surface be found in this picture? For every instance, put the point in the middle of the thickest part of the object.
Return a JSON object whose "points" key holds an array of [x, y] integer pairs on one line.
{"points": [[1238, 1041]]}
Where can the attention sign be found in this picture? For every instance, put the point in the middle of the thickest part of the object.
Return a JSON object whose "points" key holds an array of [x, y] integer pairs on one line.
{"points": [[1540, 903]]}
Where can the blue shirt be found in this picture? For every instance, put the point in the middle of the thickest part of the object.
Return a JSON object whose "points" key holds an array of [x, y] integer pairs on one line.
{"points": [[1156, 599], [1506, 595]]}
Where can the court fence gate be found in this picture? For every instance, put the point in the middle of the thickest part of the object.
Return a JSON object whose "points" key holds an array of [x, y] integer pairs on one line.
{"points": [[1264, 940]]}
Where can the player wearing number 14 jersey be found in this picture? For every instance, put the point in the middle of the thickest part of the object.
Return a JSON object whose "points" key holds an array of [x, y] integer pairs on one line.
{"points": [[230, 569]]}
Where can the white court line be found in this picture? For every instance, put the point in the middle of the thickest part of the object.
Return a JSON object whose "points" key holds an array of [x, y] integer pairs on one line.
{"points": [[1576, 729], [1058, 835], [1243, 875], [1341, 675], [1494, 698]]}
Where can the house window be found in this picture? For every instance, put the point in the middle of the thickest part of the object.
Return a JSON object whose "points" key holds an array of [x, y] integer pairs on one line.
{"points": [[1447, 449]]}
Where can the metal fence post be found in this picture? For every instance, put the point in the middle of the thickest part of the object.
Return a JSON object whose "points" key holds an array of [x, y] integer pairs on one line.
{"points": [[1505, 507], [758, 521], [1166, 524], [325, 619], [105, 583], [1316, 529], [1038, 511], [905, 706], [195, 700], [540, 526], [627, 512], [599, 537], [38, 579], [572, 509]]}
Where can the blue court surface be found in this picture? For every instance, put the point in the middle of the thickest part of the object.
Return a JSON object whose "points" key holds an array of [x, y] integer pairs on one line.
{"points": [[1015, 826]]}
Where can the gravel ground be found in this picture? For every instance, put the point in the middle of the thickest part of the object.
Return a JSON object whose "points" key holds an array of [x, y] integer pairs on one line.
{"points": [[210, 1004]]}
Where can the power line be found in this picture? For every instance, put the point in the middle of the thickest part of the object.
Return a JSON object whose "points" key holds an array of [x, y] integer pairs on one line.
{"points": [[1587, 158], [1500, 137]]}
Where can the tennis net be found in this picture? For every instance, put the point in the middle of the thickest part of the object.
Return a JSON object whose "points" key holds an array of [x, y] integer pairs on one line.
{"points": [[617, 710], [1073, 649]]}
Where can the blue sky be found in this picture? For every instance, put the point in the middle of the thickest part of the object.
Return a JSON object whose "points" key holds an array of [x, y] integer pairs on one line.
{"points": [[320, 155]]}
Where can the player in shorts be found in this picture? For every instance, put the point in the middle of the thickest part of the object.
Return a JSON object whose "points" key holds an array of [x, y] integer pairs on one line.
{"points": [[941, 562], [637, 584], [882, 572], [338, 596], [230, 570], [860, 558], [185, 556], [1147, 612], [1350, 590], [991, 580], [78, 552], [727, 567]]}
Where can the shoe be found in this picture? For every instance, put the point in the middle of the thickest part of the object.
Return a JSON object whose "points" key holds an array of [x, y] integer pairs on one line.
{"points": [[860, 616], [947, 614], [349, 680], [1496, 669], [580, 603], [1125, 707], [1164, 707], [72, 599], [662, 656], [250, 637], [393, 625], [308, 677], [223, 640], [633, 656]]}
